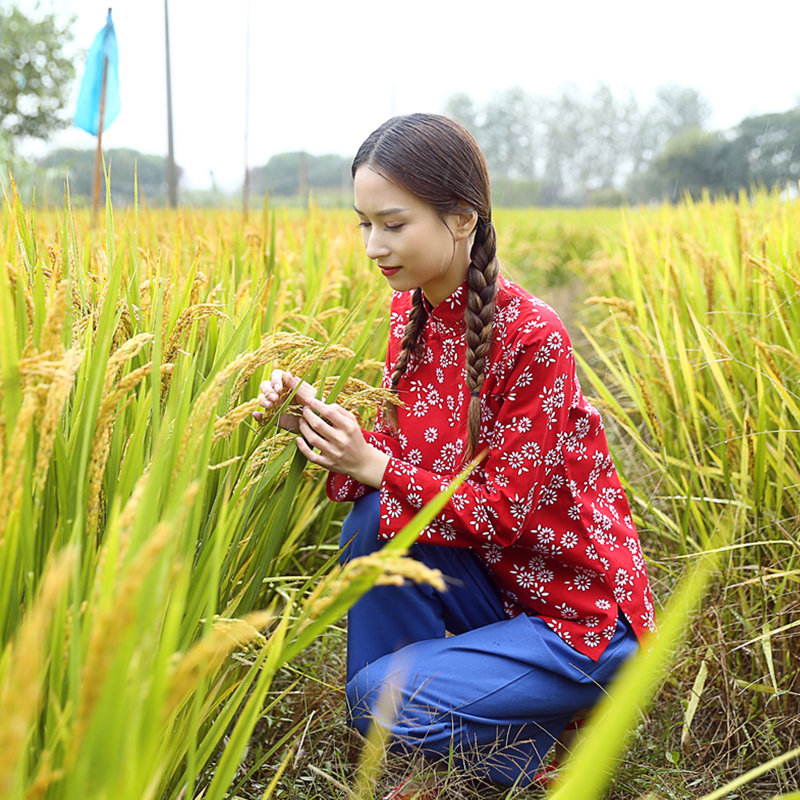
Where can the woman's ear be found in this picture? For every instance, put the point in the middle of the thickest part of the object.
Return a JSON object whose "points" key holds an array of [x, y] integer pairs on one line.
{"points": [[464, 224]]}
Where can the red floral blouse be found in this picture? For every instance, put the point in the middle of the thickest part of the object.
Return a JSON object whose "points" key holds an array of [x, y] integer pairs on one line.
{"points": [[544, 511]]}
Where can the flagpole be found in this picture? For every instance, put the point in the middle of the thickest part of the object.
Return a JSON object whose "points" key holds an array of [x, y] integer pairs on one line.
{"points": [[98, 159]]}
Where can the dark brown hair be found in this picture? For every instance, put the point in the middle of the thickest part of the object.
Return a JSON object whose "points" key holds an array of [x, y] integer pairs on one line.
{"points": [[438, 160]]}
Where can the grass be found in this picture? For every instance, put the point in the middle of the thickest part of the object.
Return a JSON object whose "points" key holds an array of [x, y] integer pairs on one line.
{"points": [[170, 622]]}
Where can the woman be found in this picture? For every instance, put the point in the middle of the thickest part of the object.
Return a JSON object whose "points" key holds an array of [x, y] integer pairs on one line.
{"points": [[548, 592]]}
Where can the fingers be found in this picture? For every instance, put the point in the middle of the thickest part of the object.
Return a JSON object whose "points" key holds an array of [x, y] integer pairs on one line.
{"points": [[333, 438], [281, 383], [319, 434]]}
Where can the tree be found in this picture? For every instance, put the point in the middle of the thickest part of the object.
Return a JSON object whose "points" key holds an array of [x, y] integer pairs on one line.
{"points": [[122, 164], [507, 134], [674, 110], [35, 74], [281, 174], [770, 145], [461, 106], [694, 161]]}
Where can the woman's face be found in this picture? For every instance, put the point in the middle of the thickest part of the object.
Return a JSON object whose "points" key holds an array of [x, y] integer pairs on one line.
{"points": [[411, 244]]}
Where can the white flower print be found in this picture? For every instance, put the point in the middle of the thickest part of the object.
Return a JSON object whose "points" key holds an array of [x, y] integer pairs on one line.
{"points": [[501, 479], [524, 379], [648, 618], [523, 426], [608, 496], [440, 375], [519, 507], [538, 593], [569, 539], [414, 456], [592, 638], [455, 299], [431, 434], [545, 535], [532, 452], [516, 461], [402, 467], [552, 400], [591, 622], [420, 408], [557, 627], [582, 582], [460, 500], [433, 398], [603, 605], [525, 577], [553, 344], [567, 612], [480, 519], [492, 553], [391, 508], [622, 578], [622, 595], [574, 512], [553, 458], [548, 496], [442, 528], [414, 500], [449, 356]]}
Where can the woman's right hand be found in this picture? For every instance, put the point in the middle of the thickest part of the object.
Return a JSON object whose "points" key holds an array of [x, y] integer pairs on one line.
{"points": [[275, 391]]}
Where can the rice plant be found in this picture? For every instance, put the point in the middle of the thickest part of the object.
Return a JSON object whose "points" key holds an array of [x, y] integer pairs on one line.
{"points": [[155, 543], [697, 358]]}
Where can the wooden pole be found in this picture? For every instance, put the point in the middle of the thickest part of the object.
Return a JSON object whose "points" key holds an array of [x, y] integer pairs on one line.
{"points": [[98, 159], [172, 181]]}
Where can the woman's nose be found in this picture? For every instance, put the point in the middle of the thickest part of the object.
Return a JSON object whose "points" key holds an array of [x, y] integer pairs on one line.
{"points": [[376, 246]]}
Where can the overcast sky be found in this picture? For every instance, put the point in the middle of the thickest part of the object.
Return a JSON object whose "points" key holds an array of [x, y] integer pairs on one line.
{"points": [[323, 75]]}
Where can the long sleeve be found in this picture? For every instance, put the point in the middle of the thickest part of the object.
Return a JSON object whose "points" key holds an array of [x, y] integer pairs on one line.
{"points": [[342, 487]]}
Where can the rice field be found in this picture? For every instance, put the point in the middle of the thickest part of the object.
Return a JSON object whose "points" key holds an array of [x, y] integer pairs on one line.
{"points": [[167, 563]]}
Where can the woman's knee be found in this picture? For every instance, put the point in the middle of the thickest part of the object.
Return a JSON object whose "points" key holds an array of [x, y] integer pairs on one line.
{"points": [[385, 701], [361, 527]]}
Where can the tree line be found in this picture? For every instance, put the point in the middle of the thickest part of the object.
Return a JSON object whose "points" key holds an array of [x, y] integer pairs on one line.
{"points": [[579, 149]]}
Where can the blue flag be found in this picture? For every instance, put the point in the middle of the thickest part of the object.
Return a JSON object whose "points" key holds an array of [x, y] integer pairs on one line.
{"points": [[87, 115]]}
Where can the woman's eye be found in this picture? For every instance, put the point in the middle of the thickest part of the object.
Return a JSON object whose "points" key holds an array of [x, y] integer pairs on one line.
{"points": [[364, 224], [394, 227]]}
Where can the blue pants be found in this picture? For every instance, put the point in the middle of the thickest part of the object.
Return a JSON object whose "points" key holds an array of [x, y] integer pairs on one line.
{"points": [[495, 695]]}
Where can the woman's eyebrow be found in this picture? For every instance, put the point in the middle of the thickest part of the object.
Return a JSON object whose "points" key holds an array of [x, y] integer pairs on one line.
{"points": [[385, 213]]}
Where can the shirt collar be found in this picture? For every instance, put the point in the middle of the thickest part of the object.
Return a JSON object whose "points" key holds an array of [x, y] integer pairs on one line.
{"points": [[450, 311]]}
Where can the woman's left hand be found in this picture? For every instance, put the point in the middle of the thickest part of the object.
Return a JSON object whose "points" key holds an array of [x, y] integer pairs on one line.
{"points": [[336, 433]]}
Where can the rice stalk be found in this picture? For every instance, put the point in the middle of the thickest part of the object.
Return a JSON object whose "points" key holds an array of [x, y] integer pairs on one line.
{"points": [[21, 687]]}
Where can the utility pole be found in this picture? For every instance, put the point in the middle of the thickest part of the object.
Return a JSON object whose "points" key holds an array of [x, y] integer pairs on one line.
{"points": [[246, 186], [172, 178]]}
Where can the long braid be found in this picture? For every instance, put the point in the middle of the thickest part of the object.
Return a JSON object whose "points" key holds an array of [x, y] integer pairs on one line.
{"points": [[479, 320], [412, 344]]}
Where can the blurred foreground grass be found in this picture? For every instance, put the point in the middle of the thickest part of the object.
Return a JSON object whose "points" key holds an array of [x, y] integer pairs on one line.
{"points": [[163, 558]]}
